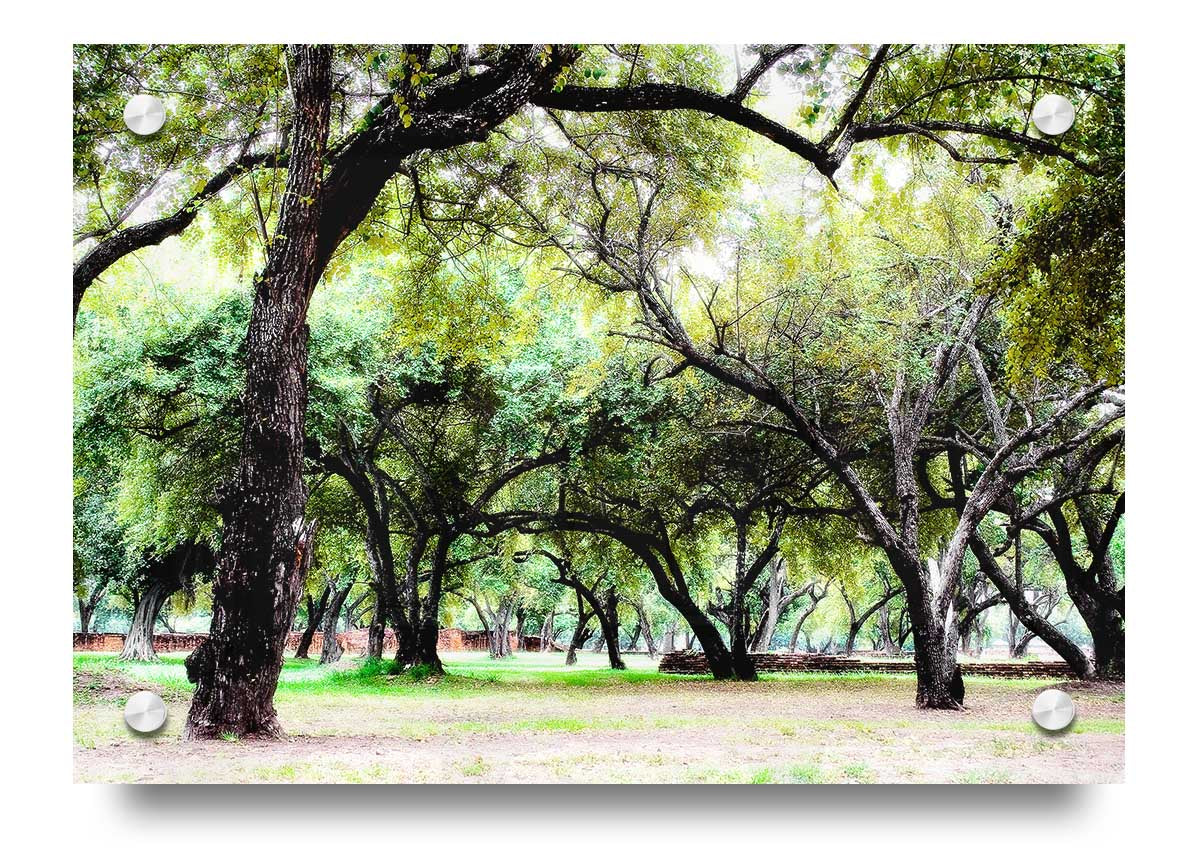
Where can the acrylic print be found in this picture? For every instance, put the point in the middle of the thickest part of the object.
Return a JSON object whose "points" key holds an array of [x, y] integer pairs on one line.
{"points": [[599, 413]]}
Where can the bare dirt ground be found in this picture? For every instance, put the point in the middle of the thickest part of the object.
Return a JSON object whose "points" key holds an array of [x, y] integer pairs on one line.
{"points": [[530, 722]]}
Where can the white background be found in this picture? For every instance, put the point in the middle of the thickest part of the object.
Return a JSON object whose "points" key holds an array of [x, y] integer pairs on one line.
{"points": [[47, 816]]}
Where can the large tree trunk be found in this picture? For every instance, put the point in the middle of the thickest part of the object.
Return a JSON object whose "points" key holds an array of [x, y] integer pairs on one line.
{"points": [[935, 638], [1108, 640], [743, 667], [1105, 620], [937, 663], [266, 543], [139, 642], [315, 613], [407, 626], [427, 654], [331, 649]]}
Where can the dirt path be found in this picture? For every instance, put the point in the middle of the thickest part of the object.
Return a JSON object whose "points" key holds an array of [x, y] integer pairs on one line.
{"points": [[830, 730]]}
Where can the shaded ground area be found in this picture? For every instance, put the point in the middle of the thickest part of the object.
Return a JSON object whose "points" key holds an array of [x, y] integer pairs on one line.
{"points": [[529, 719]]}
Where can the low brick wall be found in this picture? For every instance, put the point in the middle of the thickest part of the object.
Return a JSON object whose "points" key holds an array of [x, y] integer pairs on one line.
{"points": [[695, 663], [116, 642], [352, 642]]}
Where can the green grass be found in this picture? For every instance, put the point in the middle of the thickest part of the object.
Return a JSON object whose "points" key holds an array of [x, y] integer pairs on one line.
{"points": [[466, 674], [807, 773]]}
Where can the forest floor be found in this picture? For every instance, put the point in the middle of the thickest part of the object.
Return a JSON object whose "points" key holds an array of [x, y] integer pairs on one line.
{"points": [[528, 719]]}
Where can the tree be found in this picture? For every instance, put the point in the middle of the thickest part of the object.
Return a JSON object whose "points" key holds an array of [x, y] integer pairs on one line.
{"points": [[603, 610], [266, 540], [158, 579], [885, 591]]}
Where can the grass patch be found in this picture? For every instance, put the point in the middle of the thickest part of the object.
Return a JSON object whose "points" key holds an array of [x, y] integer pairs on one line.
{"points": [[858, 773], [476, 768], [980, 777], [807, 773]]}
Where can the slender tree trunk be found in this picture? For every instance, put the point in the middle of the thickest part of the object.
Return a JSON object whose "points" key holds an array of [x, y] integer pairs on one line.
{"points": [[580, 635], [668, 644], [777, 580], [85, 615], [266, 543], [315, 613], [331, 649], [88, 605], [816, 598], [495, 622], [643, 620], [1029, 617], [884, 617], [378, 629], [852, 635], [139, 642], [610, 630], [547, 633]]}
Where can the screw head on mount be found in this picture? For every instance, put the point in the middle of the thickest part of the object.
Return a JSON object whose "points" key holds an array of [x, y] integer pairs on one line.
{"points": [[145, 712], [144, 115], [1053, 114], [1053, 710]]}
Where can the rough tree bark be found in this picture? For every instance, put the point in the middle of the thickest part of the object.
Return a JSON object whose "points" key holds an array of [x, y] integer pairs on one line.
{"points": [[266, 543]]}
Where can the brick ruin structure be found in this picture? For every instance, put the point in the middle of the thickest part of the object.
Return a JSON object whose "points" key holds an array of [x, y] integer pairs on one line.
{"points": [[352, 642]]}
